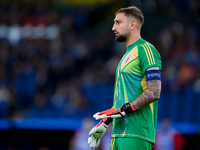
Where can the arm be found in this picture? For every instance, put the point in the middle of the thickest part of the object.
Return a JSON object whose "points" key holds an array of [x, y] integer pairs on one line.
{"points": [[151, 94]]}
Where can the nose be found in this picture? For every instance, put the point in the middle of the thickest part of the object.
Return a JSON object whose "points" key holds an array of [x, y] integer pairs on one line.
{"points": [[114, 27]]}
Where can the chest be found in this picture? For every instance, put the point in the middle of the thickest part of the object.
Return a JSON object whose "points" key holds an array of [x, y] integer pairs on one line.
{"points": [[129, 62]]}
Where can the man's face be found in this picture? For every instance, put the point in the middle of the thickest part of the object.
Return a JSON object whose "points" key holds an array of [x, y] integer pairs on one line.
{"points": [[121, 27]]}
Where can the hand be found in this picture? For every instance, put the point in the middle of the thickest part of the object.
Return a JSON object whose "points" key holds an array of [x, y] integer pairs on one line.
{"points": [[96, 133], [93, 142], [115, 113]]}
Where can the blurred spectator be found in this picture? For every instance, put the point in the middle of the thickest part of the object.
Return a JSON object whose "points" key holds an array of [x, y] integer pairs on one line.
{"points": [[25, 83], [185, 75], [168, 138], [5, 100], [58, 101], [40, 107], [76, 106]]}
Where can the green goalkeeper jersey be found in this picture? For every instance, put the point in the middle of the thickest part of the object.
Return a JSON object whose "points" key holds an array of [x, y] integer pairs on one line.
{"points": [[130, 82]]}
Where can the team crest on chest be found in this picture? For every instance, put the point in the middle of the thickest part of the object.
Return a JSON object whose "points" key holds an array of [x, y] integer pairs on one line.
{"points": [[133, 54], [127, 58]]}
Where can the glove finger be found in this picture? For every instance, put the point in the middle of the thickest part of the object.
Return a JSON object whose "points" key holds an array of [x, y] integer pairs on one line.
{"points": [[91, 142], [95, 115], [115, 116], [98, 117], [98, 142], [94, 142], [92, 131], [110, 112]]}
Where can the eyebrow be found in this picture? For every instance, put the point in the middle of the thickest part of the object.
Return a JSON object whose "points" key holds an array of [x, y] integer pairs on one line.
{"points": [[115, 20]]}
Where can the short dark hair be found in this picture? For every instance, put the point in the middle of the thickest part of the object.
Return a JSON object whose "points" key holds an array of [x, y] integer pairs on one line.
{"points": [[133, 12]]}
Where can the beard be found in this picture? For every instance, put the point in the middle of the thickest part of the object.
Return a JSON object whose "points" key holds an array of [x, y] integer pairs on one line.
{"points": [[120, 38]]}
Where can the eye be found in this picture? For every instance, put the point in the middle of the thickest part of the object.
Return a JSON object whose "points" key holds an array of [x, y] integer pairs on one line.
{"points": [[117, 22]]}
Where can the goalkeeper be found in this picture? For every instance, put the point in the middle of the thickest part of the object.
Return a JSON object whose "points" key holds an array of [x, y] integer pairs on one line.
{"points": [[137, 89]]}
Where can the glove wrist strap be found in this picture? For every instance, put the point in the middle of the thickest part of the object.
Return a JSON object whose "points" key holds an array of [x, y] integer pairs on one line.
{"points": [[127, 108], [107, 120]]}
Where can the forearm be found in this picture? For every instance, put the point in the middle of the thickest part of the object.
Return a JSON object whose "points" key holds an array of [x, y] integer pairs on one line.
{"points": [[151, 94]]}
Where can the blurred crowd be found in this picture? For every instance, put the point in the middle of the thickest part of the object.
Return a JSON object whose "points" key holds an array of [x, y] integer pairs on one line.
{"points": [[61, 63]]}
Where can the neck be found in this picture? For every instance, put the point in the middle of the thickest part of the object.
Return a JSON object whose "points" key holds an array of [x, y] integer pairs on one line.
{"points": [[133, 38]]}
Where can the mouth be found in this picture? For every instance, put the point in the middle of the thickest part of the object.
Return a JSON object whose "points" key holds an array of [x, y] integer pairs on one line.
{"points": [[116, 34]]}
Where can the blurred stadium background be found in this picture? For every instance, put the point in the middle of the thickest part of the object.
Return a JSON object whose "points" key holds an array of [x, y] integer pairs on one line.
{"points": [[58, 60]]}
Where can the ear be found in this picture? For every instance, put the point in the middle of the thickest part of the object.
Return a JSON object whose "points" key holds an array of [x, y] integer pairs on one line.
{"points": [[132, 25]]}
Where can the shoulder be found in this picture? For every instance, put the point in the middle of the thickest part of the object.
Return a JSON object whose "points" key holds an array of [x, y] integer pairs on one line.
{"points": [[147, 49], [146, 46]]}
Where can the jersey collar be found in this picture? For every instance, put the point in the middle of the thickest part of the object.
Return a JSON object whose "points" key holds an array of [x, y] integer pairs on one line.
{"points": [[130, 47]]}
